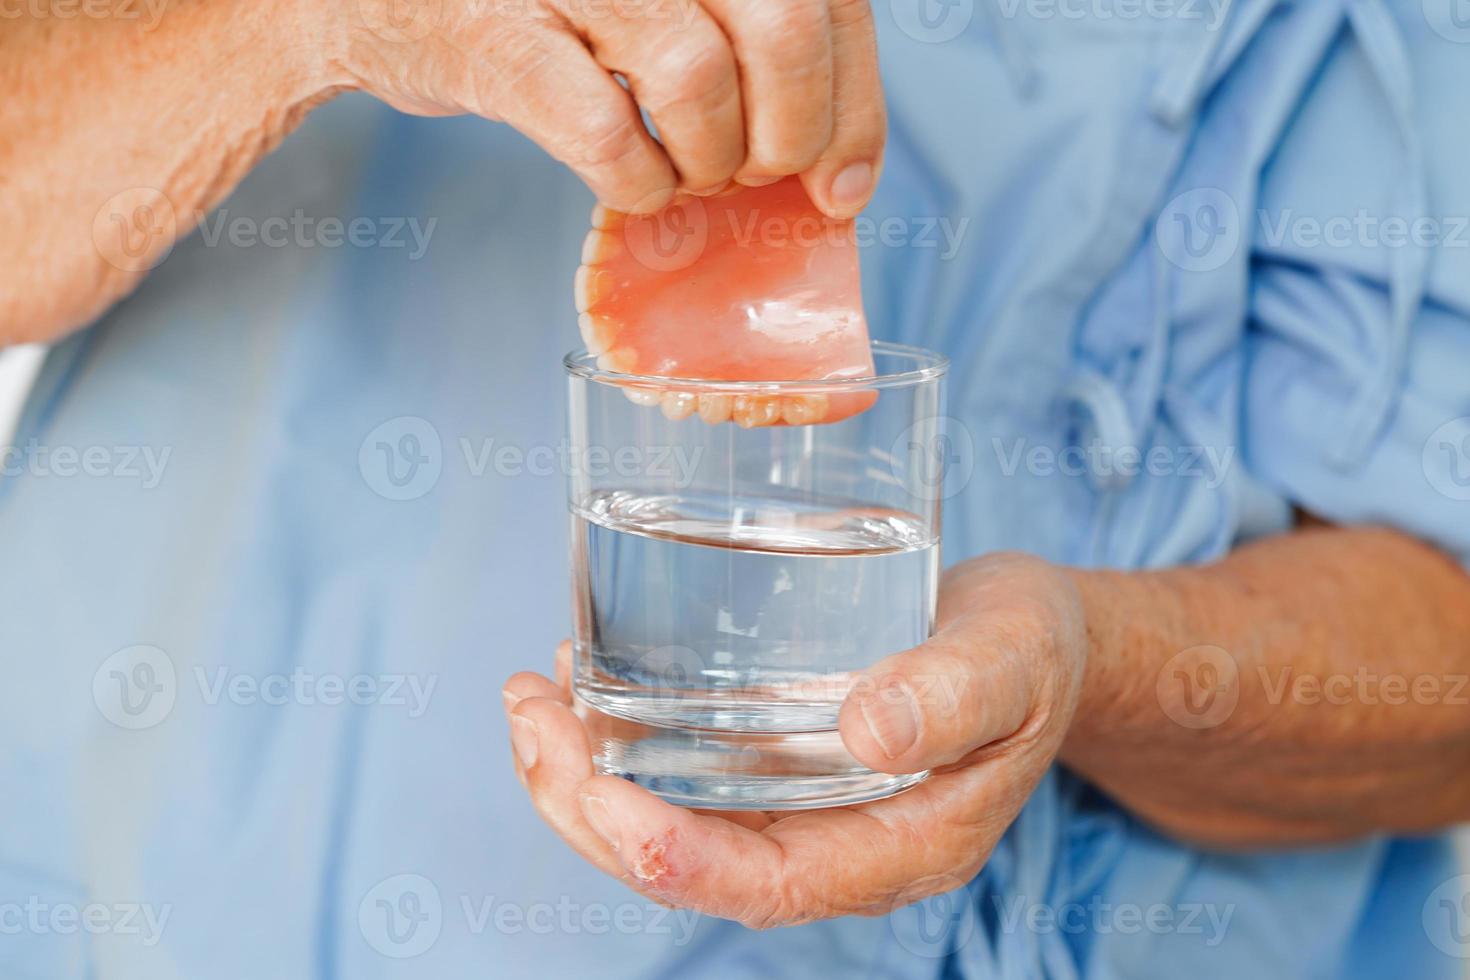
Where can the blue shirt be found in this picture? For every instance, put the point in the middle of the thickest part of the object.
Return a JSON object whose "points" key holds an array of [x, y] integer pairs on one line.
{"points": [[255, 645]]}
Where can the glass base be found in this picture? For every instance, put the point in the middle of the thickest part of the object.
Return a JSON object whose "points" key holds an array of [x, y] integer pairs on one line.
{"points": [[725, 770]]}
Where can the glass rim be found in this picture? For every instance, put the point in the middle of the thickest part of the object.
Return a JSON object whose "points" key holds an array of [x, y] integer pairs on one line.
{"points": [[582, 363]]}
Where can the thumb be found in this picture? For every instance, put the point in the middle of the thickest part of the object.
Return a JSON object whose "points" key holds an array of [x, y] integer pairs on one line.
{"points": [[969, 685]]}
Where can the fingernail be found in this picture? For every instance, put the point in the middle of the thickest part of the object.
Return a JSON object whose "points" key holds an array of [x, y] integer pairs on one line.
{"points": [[599, 818], [511, 700], [756, 181], [523, 737], [710, 191], [852, 185], [893, 718]]}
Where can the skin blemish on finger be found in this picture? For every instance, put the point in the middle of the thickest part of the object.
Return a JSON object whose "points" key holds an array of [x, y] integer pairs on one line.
{"points": [[651, 864]]}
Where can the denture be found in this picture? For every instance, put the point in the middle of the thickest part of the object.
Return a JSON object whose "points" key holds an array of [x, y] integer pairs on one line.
{"points": [[751, 285]]}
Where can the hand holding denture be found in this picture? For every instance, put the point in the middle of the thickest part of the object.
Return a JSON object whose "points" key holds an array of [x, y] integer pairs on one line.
{"points": [[740, 91]]}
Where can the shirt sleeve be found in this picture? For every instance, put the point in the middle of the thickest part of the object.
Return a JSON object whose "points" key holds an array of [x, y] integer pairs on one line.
{"points": [[1357, 384]]}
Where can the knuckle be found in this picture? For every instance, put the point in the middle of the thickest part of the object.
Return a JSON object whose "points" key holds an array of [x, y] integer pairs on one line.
{"points": [[794, 144], [520, 60], [795, 22], [1031, 618], [608, 133], [790, 154], [702, 72], [785, 902], [774, 914], [849, 13]]}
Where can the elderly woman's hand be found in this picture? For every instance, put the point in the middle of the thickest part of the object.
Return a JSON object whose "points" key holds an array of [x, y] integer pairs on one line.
{"points": [[742, 89], [985, 705], [126, 131]]}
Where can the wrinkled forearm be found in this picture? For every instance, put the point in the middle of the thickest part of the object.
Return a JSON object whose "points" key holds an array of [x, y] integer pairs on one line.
{"points": [[115, 134], [1308, 687]]}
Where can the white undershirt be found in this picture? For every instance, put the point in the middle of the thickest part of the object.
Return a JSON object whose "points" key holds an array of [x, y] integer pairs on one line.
{"points": [[19, 366]]}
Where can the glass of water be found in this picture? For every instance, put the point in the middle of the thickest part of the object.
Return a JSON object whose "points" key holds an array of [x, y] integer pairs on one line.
{"points": [[728, 582]]}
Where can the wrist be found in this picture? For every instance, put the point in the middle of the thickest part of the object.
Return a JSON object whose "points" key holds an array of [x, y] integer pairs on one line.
{"points": [[1120, 610], [1164, 658]]}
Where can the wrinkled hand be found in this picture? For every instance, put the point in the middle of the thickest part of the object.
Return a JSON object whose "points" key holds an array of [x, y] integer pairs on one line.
{"points": [[742, 89], [985, 704]]}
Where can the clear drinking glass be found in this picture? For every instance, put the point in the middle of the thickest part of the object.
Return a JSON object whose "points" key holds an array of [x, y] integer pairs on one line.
{"points": [[729, 581]]}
